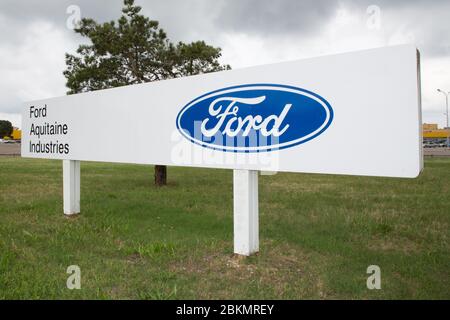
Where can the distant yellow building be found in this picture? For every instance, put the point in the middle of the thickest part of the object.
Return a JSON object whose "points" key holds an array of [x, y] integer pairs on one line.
{"points": [[430, 126], [17, 134], [431, 130]]}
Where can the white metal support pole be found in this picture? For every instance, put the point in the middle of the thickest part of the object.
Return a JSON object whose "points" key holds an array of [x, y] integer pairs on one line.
{"points": [[71, 186], [246, 224]]}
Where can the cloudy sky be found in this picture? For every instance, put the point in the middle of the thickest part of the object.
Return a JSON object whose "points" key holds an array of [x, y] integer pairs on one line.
{"points": [[35, 34]]}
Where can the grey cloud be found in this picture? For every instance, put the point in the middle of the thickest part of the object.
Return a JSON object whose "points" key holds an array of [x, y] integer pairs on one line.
{"points": [[276, 17], [206, 19], [55, 11], [17, 15], [182, 19], [427, 21]]}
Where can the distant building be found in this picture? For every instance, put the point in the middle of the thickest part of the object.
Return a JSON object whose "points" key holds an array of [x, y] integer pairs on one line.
{"points": [[432, 131], [16, 134], [430, 126]]}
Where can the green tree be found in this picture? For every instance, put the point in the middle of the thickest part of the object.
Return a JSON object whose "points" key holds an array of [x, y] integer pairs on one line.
{"points": [[6, 128], [131, 50]]}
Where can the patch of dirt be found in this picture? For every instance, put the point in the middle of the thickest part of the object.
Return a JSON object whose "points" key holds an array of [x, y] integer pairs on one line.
{"points": [[281, 268], [119, 243], [301, 187], [401, 245], [133, 258], [72, 217]]}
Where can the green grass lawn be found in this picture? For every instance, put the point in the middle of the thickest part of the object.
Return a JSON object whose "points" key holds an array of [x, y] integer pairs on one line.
{"points": [[318, 235]]}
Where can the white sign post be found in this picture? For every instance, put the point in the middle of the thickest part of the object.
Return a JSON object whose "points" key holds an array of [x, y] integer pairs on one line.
{"points": [[333, 114], [71, 186], [246, 221]]}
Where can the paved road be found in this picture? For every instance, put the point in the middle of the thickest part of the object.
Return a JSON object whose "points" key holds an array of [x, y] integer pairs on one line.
{"points": [[9, 149], [436, 151]]}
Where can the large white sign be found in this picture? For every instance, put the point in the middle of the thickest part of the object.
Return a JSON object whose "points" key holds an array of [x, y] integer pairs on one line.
{"points": [[357, 113]]}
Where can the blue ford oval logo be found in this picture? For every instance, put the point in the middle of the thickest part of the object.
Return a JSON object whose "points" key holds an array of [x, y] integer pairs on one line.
{"points": [[254, 118]]}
